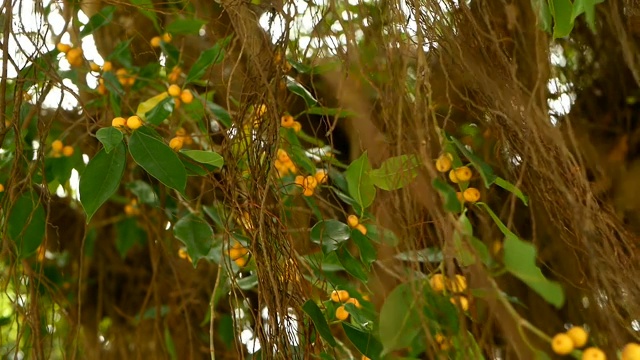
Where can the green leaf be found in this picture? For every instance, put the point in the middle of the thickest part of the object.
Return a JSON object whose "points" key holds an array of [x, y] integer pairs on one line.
{"points": [[205, 157], [100, 19], [221, 114], [113, 85], [129, 234], [543, 14], [161, 111], [464, 255], [110, 137], [561, 11], [185, 26], [339, 113], [330, 234], [485, 170], [170, 345], [359, 183], [513, 189], [368, 252], [144, 192], [366, 343], [101, 178], [351, 264], [172, 52], [319, 321], [395, 173], [196, 234], [399, 319], [588, 7], [297, 88], [520, 260], [209, 57], [382, 235], [158, 160], [122, 54], [433, 255], [146, 8], [451, 202], [26, 224]]}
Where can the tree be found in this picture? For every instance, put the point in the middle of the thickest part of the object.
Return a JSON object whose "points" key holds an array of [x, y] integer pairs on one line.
{"points": [[418, 180]]}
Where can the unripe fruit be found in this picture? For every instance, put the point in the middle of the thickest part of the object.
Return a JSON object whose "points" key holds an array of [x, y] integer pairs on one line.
{"points": [[134, 122], [443, 163], [174, 90], [186, 96], [593, 353], [463, 173], [286, 121], [166, 37], [119, 122], [176, 143], [437, 282], [339, 295], [296, 126], [107, 66], [562, 344], [471, 195], [67, 151], [63, 48], [631, 351], [362, 229], [57, 145], [155, 41], [352, 221], [578, 335], [341, 313]]}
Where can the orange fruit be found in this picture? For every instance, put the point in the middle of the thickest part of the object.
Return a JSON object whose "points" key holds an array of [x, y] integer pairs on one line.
{"points": [[339, 295], [562, 344]]}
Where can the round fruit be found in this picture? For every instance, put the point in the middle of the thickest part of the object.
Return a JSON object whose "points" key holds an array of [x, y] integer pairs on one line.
{"points": [[461, 301], [443, 163], [339, 295], [57, 145], [1, 188], [299, 180], [578, 335], [362, 229], [119, 122], [176, 143], [107, 66], [174, 90], [463, 173], [67, 151], [166, 37], [241, 262], [453, 177], [355, 302], [307, 192], [562, 344], [459, 284], [321, 176], [593, 353], [134, 122], [310, 182], [94, 67], [437, 282], [235, 253], [471, 195], [186, 96], [352, 221], [63, 48], [341, 313], [283, 156], [287, 121], [155, 41], [296, 126], [631, 351]]}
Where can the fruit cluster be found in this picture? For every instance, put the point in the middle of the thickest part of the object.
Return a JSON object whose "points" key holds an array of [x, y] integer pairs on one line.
{"points": [[287, 121], [182, 138], [283, 164], [133, 122], [458, 175], [59, 149], [179, 95], [441, 284], [73, 55], [354, 223], [238, 253], [157, 40], [132, 209], [343, 297]]}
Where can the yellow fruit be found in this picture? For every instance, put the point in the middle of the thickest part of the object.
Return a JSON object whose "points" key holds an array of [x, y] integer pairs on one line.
{"points": [[463, 173], [443, 342], [74, 57], [443, 163], [57, 145], [261, 110], [631, 351], [453, 177], [134, 122], [102, 90], [94, 67], [166, 37], [299, 180], [67, 151], [355, 302], [471, 195], [339, 295], [310, 182], [459, 196], [437, 282], [119, 122], [155, 41], [177, 103], [283, 156], [459, 284], [352, 221], [497, 247], [307, 192], [341, 313], [364, 357], [181, 132], [1, 188], [296, 126], [174, 90], [287, 121], [176, 143], [131, 210], [241, 262], [593, 353], [321, 176], [578, 335], [186, 96], [131, 80], [63, 48], [562, 344], [235, 253], [362, 229], [461, 301], [107, 66], [174, 75]]}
